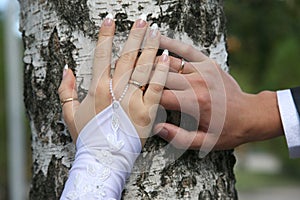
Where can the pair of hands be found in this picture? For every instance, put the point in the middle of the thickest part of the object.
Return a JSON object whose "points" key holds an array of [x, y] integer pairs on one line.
{"points": [[227, 117]]}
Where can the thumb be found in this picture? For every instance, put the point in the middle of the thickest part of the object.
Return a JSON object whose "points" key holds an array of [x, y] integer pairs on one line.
{"points": [[179, 137], [69, 99]]}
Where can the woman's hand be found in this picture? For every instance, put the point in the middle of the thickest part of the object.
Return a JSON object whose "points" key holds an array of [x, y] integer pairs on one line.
{"points": [[226, 115], [131, 74]]}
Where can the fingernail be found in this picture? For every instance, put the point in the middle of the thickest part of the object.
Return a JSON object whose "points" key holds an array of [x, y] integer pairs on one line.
{"points": [[163, 133], [141, 21], [153, 30], [108, 21], [65, 70], [165, 55]]}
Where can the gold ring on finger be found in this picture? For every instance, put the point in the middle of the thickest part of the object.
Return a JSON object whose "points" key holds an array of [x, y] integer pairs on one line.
{"points": [[62, 102], [180, 71], [137, 84]]}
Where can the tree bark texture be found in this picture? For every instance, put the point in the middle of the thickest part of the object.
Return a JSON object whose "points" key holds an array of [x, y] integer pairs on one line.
{"points": [[56, 32]]}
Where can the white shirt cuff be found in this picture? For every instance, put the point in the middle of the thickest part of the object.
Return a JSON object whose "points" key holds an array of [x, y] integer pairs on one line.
{"points": [[290, 121]]}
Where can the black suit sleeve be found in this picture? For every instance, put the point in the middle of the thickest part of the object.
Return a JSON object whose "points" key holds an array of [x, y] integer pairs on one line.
{"points": [[296, 96]]}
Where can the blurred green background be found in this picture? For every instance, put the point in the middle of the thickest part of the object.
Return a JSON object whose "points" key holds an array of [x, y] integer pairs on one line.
{"points": [[264, 52], [264, 48], [3, 167]]}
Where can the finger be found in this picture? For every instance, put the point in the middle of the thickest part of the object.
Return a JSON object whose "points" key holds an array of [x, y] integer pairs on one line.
{"points": [[130, 51], [178, 137], [170, 100], [67, 89], [177, 81], [183, 101], [176, 65], [158, 80], [186, 51], [103, 51], [146, 60]]}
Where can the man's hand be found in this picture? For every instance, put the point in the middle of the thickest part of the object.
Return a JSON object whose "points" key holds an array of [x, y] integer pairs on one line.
{"points": [[227, 116]]}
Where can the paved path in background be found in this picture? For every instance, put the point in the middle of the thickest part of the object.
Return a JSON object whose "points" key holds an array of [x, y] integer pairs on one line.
{"points": [[276, 193]]}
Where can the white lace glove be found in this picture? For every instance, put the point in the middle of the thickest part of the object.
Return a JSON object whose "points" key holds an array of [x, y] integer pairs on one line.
{"points": [[104, 157]]}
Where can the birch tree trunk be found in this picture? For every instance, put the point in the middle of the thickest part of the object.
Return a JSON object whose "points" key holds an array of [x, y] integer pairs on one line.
{"points": [[56, 32]]}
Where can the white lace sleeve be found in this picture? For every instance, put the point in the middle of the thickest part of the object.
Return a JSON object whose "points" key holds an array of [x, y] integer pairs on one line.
{"points": [[107, 148], [290, 121]]}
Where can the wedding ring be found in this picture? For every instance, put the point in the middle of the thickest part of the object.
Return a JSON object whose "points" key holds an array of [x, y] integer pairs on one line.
{"points": [[62, 102], [181, 66], [137, 84]]}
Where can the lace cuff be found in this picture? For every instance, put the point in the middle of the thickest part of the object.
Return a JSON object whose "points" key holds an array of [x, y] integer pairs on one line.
{"points": [[107, 148]]}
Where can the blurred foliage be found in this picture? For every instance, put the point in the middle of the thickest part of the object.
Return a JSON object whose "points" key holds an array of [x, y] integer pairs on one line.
{"points": [[3, 167], [264, 49], [3, 120], [264, 30]]}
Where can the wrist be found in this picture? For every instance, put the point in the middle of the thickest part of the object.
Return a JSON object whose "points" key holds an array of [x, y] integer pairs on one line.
{"points": [[264, 117]]}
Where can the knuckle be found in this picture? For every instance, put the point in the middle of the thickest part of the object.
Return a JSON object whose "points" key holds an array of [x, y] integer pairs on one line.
{"points": [[60, 89], [162, 68], [144, 119], [147, 56], [187, 48], [143, 68], [149, 51], [126, 58], [156, 88], [136, 34], [101, 53], [105, 33], [203, 99], [201, 81]]}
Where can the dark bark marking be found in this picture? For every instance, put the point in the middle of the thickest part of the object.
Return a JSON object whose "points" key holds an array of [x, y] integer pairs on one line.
{"points": [[196, 21], [49, 187], [38, 98], [76, 14], [123, 24]]}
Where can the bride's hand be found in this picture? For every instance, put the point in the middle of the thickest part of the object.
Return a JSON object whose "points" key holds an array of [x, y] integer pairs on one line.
{"points": [[131, 74]]}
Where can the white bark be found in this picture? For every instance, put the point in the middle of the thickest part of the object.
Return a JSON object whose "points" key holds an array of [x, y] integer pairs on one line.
{"points": [[56, 32]]}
